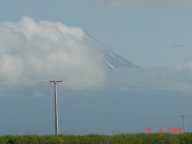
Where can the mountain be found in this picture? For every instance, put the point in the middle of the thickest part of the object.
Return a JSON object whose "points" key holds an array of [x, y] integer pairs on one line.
{"points": [[115, 61], [112, 59]]}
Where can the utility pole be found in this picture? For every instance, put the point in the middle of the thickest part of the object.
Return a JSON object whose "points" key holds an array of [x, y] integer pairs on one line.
{"points": [[183, 123], [56, 105]]}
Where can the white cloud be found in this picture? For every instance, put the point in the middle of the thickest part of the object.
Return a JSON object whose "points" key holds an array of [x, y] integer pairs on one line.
{"points": [[159, 78], [186, 66], [31, 50], [183, 86], [149, 1], [122, 2]]}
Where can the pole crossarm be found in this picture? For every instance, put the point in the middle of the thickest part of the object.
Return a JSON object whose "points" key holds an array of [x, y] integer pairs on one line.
{"points": [[55, 81]]}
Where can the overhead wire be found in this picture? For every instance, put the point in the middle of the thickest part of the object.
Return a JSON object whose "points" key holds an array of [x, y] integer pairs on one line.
{"points": [[23, 82]]}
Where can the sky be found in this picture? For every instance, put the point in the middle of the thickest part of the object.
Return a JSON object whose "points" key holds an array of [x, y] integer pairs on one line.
{"points": [[148, 33], [43, 40]]}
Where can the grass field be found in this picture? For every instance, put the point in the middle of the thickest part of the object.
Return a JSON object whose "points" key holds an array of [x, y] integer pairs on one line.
{"points": [[99, 139]]}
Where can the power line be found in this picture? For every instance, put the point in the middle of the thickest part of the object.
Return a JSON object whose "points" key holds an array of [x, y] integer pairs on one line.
{"points": [[129, 120], [22, 82]]}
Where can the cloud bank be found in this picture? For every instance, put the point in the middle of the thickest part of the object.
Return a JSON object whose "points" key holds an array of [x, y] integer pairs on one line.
{"points": [[155, 78], [44, 50], [145, 2], [148, 1], [186, 66]]}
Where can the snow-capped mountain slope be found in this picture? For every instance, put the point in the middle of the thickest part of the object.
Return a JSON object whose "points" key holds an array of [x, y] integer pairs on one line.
{"points": [[114, 61]]}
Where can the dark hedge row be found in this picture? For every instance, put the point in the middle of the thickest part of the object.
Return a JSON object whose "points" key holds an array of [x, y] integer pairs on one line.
{"points": [[100, 139]]}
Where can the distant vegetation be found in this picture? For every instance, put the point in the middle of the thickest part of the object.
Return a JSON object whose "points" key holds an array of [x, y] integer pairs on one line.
{"points": [[100, 139]]}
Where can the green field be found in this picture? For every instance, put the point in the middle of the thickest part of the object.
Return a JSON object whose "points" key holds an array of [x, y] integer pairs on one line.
{"points": [[99, 139]]}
